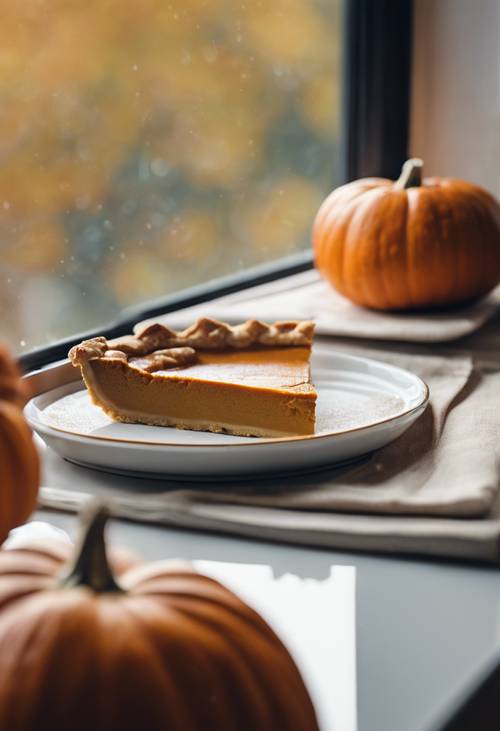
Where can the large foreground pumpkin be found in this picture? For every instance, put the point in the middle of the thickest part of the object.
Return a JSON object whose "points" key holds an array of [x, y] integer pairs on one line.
{"points": [[410, 244], [19, 466], [159, 648]]}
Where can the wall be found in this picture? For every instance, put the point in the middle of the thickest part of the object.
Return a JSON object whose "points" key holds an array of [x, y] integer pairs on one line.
{"points": [[455, 120]]}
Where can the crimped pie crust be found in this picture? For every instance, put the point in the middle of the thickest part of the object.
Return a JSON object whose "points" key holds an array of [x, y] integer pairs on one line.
{"points": [[157, 347]]}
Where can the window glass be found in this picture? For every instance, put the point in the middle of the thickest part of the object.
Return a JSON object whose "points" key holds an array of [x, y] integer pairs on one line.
{"points": [[148, 145]]}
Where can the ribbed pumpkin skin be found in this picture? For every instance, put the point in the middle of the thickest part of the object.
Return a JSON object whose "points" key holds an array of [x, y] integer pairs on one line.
{"points": [[176, 652], [19, 464], [400, 249]]}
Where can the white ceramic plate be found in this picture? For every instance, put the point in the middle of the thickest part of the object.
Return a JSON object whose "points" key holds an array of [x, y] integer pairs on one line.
{"points": [[363, 404]]}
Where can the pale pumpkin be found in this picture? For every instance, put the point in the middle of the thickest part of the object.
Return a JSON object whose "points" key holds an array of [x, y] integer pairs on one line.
{"points": [[413, 243], [19, 464], [155, 646]]}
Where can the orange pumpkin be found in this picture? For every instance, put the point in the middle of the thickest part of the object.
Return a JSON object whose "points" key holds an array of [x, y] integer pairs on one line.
{"points": [[410, 244], [19, 464], [156, 646]]}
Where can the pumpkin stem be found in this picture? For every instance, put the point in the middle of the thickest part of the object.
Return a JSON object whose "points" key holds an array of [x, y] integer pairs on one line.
{"points": [[90, 565], [411, 174]]}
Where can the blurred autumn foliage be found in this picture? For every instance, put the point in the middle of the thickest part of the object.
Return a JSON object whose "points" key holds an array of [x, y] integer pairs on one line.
{"points": [[148, 145]]}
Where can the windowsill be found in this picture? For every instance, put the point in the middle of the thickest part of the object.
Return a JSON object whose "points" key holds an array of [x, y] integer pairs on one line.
{"points": [[406, 610]]}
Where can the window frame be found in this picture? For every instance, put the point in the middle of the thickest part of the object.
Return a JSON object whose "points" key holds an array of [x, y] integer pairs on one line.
{"points": [[375, 108]]}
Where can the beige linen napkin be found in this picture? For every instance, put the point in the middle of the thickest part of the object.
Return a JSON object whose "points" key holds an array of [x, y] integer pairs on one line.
{"points": [[306, 296], [433, 491]]}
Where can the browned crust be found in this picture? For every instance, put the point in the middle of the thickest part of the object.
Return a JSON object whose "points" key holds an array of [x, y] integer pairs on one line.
{"points": [[157, 346]]}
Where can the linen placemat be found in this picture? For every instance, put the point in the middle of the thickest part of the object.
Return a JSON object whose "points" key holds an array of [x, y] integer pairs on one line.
{"points": [[433, 491], [306, 296]]}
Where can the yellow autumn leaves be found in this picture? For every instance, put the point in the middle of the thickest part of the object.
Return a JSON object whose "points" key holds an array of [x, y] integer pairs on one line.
{"points": [[198, 129]]}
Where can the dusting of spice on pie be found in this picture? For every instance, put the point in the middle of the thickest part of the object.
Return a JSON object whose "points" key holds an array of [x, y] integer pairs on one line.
{"points": [[251, 379]]}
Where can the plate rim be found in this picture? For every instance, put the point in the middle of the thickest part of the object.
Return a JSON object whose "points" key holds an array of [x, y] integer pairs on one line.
{"points": [[41, 427]]}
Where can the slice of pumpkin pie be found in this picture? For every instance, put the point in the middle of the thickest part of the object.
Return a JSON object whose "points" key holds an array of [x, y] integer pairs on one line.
{"points": [[251, 379]]}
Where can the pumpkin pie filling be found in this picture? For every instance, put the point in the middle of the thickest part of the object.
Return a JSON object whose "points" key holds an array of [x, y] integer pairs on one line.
{"points": [[250, 380]]}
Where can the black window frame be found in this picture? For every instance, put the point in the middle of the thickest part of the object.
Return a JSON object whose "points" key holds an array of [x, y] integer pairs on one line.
{"points": [[376, 105]]}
